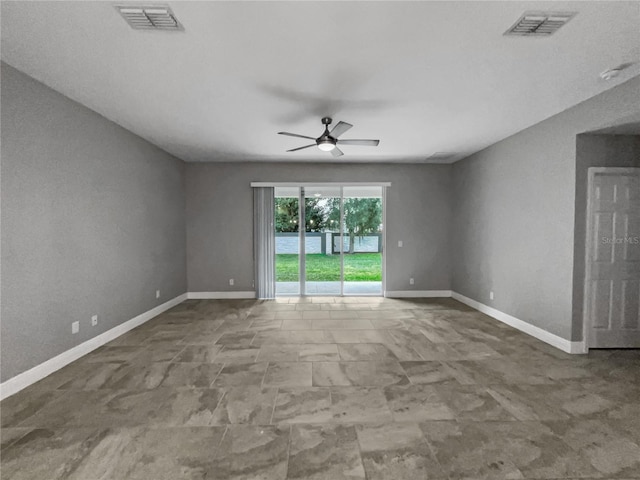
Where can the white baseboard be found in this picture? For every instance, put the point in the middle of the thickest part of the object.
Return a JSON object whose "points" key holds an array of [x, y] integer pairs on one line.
{"points": [[219, 295], [31, 376], [417, 293], [554, 340]]}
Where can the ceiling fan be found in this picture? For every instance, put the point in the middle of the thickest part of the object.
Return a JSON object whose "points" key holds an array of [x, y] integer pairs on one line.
{"points": [[328, 141]]}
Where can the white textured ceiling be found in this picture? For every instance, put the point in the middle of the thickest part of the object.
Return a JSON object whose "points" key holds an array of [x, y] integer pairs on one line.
{"points": [[423, 77]]}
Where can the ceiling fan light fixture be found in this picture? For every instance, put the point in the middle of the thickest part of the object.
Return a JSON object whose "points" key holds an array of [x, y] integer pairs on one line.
{"points": [[326, 145]]}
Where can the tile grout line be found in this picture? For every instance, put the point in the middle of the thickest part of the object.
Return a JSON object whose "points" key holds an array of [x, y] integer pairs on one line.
{"points": [[432, 450], [355, 428], [275, 402], [177, 354], [224, 394], [286, 474], [264, 376], [226, 429], [218, 374]]}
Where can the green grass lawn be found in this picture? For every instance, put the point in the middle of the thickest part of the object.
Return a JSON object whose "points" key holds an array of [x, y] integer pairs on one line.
{"points": [[358, 267]]}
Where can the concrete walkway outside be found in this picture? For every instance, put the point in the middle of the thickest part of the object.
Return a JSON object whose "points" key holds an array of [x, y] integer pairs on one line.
{"points": [[330, 288]]}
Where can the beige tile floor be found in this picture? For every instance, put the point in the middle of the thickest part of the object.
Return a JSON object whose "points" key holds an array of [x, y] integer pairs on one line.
{"points": [[328, 388]]}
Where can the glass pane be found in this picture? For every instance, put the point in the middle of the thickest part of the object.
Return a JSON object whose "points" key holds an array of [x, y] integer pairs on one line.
{"points": [[287, 240], [362, 220], [322, 224]]}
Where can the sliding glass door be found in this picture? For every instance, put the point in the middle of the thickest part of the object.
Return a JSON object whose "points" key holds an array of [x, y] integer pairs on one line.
{"points": [[322, 264], [329, 240], [287, 228], [362, 240]]}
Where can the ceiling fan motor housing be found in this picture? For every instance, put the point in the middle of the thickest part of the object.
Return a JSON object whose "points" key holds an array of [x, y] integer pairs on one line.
{"points": [[325, 141]]}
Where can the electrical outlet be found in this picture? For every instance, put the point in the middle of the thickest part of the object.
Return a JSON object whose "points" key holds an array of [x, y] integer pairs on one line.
{"points": [[75, 327], [400, 243], [411, 282], [490, 295], [94, 320], [231, 281], [157, 293]]}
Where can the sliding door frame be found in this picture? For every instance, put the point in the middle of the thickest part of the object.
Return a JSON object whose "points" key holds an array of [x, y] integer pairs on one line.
{"points": [[302, 232], [383, 239], [303, 225], [341, 227]]}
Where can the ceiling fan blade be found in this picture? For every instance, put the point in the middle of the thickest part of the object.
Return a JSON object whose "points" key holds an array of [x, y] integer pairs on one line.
{"points": [[365, 143], [300, 148], [339, 129], [295, 135], [336, 152]]}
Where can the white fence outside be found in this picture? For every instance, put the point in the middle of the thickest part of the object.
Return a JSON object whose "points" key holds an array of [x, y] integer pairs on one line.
{"points": [[328, 242]]}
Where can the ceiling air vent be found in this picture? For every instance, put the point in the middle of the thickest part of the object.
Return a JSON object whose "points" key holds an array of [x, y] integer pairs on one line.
{"points": [[149, 18], [539, 24]]}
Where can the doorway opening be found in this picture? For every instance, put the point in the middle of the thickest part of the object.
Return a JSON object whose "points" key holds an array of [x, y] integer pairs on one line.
{"points": [[329, 240]]}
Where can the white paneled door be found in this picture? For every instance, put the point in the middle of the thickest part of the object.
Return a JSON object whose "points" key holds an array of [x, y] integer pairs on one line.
{"points": [[612, 289]]}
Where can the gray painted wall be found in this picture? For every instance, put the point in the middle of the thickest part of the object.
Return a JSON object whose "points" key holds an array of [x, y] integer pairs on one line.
{"points": [[92, 223], [94, 219], [594, 151], [513, 220], [220, 220]]}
